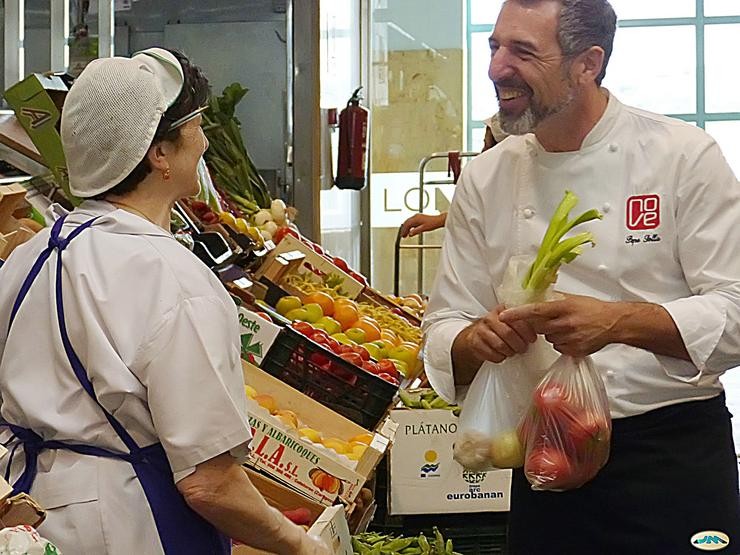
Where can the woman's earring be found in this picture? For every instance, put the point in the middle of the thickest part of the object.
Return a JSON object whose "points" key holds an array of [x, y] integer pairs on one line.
{"points": [[166, 174]]}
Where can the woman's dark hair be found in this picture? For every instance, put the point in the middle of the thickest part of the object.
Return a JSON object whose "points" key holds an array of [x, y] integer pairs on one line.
{"points": [[194, 94]]}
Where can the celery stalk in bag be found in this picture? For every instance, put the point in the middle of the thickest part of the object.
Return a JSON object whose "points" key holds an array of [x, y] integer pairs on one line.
{"points": [[500, 393]]}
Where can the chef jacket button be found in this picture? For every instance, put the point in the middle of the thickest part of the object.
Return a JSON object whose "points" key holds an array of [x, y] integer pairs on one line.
{"points": [[606, 208], [603, 268], [610, 373], [613, 147], [528, 213]]}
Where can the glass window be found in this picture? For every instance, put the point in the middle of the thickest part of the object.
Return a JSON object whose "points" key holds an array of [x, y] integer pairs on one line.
{"points": [[478, 135], [654, 68], [484, 12], [653, 9], [717, 8], [727, 135], [484, 102], [722, 78]]}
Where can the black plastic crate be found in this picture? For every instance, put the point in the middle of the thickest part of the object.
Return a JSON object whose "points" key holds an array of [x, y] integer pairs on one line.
{"points": [[320, 374]]}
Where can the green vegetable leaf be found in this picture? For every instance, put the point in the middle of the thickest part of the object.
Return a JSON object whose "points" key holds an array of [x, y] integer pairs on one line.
{"points": [[554, 250]]}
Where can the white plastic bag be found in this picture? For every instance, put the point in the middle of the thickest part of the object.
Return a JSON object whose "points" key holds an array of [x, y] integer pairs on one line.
{"points": [[567, 428], [499, 394], [24, 540]]}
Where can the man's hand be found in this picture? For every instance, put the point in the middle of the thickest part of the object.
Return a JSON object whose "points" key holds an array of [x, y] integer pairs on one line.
{"points": [[579, 326], [488, 339], [576, 326]]}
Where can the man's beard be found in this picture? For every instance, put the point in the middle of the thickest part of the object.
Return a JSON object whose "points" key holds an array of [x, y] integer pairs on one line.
{"points": [[535, 114]]}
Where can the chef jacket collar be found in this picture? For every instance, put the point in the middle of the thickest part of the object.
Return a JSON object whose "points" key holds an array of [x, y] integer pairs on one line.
{"points": [[597, 134], [114, 220]]}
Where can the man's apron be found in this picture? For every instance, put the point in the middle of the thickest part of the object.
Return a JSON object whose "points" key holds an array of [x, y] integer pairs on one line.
{"points": [[180, 529]]}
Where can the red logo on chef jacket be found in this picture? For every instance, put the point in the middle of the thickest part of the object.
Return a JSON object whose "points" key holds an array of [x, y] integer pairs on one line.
{"points": [[643, 212]]}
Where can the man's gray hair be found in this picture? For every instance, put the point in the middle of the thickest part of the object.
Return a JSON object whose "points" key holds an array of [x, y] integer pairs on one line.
{"points": [[583, 24]]}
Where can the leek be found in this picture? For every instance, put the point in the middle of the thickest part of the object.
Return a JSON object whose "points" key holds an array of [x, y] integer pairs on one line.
{"points": [[554, 250]]}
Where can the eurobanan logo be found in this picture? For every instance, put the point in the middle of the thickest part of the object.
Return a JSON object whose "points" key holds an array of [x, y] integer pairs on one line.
{"points": [[710, 540]]}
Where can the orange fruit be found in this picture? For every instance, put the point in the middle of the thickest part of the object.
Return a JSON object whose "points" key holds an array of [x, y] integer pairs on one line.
{"points": [[345, 301], [389, 336], [345, 314], [370, 327], [323, 300]]}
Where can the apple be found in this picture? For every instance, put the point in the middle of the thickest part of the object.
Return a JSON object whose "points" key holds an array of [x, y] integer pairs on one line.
{"points": [[373, 349], [342, 338], [401, 367], [314, 312], [356, 334], [286, 304], [506, 450], [297, 314], [329, 325]]}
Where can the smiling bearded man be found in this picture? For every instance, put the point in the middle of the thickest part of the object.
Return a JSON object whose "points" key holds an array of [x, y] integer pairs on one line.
{"points": [[656, 304]]}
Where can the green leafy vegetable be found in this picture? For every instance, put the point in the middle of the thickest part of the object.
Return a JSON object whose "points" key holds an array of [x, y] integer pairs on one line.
{"points": [[555, 250], [233, 169]]}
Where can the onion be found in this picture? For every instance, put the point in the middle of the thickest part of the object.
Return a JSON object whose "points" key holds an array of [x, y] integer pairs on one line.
{"points": [[262, 217], [270, 227], [277, 209]]}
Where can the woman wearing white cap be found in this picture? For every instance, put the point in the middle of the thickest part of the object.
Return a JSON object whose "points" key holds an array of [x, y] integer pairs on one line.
{"points": [[120, 374]]}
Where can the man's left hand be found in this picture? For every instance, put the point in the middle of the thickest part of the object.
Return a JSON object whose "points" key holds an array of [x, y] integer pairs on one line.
{"points": [[576, 326]]}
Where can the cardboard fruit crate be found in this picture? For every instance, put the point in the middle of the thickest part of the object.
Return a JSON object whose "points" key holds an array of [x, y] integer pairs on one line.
{"points": [[320, 374], [310, 263], [423, 477], [328, 523], [312, 469]]}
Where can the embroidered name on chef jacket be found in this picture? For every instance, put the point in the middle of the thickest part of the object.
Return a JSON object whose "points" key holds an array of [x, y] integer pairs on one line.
{"points": [[643, 214]]}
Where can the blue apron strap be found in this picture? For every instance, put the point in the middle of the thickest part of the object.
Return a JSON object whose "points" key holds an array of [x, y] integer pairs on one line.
{"points": [[36, 269], [74, 360]]}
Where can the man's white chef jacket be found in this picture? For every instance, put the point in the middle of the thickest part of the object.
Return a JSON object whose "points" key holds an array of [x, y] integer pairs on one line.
{"points": [[670, 235], [158, 335]]}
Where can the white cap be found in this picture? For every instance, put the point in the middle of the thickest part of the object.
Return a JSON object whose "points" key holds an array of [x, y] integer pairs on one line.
{"points": [[110, 116]]}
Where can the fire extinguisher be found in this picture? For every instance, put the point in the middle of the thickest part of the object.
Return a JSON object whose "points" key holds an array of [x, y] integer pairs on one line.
{"points": [[352, 144]]}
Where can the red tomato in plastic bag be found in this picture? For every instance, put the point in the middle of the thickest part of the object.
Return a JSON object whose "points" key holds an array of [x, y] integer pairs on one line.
{"points": [[550, 467]]}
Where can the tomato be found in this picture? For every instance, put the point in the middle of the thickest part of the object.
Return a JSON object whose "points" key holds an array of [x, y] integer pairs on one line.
{"points": [[342, 349], [264, 315], [362, 351], [303, 328], [316, 333], [282, 232], [371, 367], [553, 397], [198, 206], [583, 428], [358, 277], [340, 263], [321, 360], [388, 378], [550, 468], [317, 248], [386, 366], [333, 344], [352, 358]]}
